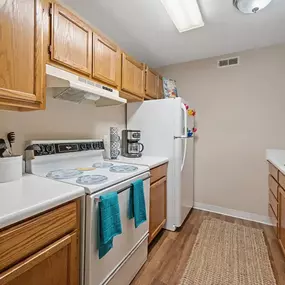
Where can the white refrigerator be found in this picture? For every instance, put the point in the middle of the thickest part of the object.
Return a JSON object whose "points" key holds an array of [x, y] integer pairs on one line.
{"points": [[163, 125]]}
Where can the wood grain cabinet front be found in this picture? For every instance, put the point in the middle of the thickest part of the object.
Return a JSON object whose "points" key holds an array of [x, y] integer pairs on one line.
{"points": [[22, 69], [133, 78], [43, 249], [106, 61], [281, 218], [71, 40], [158, 196], [53, 265], [160, 88], [151, 84], [157, 207]]}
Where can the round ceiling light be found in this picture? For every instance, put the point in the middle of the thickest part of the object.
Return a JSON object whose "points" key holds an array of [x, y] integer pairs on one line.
{"points": [[250, 6]]}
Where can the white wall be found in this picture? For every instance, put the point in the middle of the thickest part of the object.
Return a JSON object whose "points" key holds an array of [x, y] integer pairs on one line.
{"points": [[61, 120], [240, 113]]}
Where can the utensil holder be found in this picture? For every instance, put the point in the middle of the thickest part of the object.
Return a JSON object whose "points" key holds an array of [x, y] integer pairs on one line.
{"points": [[11, 168]]}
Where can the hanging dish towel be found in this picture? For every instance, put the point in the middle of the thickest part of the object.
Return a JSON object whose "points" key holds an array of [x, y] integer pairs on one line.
{"points": [[137, 203], [109, 222]]}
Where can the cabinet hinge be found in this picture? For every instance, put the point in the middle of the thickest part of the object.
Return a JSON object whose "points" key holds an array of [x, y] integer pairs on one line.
{"points": [[49, 48]]}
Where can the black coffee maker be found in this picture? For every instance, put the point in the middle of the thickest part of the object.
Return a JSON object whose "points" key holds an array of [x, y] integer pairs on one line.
{"points": [[130, 143]]}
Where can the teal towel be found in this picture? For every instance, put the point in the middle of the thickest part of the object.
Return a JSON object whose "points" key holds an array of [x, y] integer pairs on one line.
{"points": [[137, 203], [109, 222]]}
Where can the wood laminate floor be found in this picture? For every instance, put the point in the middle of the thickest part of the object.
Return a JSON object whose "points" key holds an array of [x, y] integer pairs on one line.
{"points": [[170, 251]]}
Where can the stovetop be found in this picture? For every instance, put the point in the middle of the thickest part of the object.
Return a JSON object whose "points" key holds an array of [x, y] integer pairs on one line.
{"points": [[85, 168]]}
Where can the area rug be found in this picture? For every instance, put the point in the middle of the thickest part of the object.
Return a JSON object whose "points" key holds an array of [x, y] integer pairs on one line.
{"points": [[228, 254]]}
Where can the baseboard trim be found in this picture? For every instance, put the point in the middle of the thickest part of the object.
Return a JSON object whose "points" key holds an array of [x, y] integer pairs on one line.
{"points": [[233, 213]]}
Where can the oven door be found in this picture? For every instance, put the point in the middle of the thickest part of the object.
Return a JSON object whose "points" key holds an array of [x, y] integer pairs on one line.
{"points": [[98, 271]]}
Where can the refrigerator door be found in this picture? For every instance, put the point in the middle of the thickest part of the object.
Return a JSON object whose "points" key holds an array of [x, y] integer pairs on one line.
{"points": [[184, 153], [184, 133], [187, 175], [159, 121]]}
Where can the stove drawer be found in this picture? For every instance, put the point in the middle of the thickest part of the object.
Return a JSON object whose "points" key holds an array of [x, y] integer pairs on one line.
{"points": [[20, 241]]}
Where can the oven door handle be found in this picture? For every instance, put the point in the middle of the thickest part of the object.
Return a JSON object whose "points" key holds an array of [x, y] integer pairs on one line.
{"points": [[97, 199]]}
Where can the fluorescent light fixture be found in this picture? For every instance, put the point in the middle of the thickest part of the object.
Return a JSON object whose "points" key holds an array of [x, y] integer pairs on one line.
{"points": [[185, 14]]}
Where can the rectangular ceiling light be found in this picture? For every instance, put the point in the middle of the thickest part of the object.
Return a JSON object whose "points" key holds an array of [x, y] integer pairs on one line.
{"points": [[185, 14]]}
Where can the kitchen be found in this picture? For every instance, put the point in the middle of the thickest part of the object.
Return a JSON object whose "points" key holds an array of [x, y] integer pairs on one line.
{"points": [[233, 128]]}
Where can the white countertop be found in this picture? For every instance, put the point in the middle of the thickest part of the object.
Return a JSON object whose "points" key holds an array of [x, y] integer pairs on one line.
{"points": [[32, 195], [150, 161], [277, 158]]}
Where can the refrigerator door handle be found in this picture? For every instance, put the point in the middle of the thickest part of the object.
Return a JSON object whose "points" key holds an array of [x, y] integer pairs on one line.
{"points": [[185, 134]]}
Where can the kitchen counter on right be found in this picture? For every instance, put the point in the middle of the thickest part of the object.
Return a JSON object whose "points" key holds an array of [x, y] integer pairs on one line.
{"points": [[150, 161], [277, 158]]}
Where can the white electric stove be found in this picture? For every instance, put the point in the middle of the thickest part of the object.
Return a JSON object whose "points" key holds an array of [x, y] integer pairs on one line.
{"points": [[80, 162]]}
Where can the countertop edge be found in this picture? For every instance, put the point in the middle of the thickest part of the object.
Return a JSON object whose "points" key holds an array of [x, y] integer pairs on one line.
{"points": [[277, 165], [159, 163], [19, 216]]}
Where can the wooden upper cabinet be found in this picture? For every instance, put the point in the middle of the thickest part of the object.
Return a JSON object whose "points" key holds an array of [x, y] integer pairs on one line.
{"points": [[133, 76], [55, 264], [160, 88], [22, 69], [151, 83], [106, 61], [71, 40]]}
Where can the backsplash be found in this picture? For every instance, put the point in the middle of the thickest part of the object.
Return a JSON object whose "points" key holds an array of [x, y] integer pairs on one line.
{"points": [[61, 120]]}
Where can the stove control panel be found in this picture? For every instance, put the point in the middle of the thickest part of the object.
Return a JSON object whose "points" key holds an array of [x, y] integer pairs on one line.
{"points": [[55, 148]]}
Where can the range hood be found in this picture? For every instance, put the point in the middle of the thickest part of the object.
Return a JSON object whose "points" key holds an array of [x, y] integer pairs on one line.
{"points": [[70, 87]]}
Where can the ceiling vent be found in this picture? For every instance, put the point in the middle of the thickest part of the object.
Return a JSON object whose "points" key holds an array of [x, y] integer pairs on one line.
{"points": [[227, 62]]}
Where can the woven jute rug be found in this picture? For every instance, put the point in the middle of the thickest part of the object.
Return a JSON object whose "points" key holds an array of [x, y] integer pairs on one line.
{"points": [[228, 254]]}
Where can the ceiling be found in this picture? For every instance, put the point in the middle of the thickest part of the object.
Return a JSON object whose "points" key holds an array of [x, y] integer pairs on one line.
{"points": [[144, 30]]}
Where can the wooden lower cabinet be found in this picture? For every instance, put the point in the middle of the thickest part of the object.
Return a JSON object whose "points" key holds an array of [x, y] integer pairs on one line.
{"points": [[42, 250], [56, 264], [282, 218], [158, 196]]}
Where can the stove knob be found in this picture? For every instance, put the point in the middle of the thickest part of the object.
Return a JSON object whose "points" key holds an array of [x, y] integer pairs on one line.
{"points": [[49, 149], [89, 146], [40, 151], [83, 146]]}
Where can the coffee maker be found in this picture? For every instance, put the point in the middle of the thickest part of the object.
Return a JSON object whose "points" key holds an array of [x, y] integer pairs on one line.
{"points": [[130, 143]]}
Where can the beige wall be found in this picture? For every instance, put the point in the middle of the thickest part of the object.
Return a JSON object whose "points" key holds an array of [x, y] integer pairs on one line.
{"points": [[240, 113], [61, 120]]}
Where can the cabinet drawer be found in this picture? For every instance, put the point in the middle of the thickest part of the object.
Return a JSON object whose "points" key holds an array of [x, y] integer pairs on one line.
{"points": [[273, 171], [273, 185], [25, 239], [273, 203], [282, 180], [158, 172], [273, 218]]}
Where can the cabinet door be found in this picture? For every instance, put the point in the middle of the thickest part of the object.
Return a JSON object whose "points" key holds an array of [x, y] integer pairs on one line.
{"points": [[71, 40], [22, 68], [157, 215], [160, 88], [151, 86], [132, 76], [54, 265], [281, 218], [106, 61]]}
